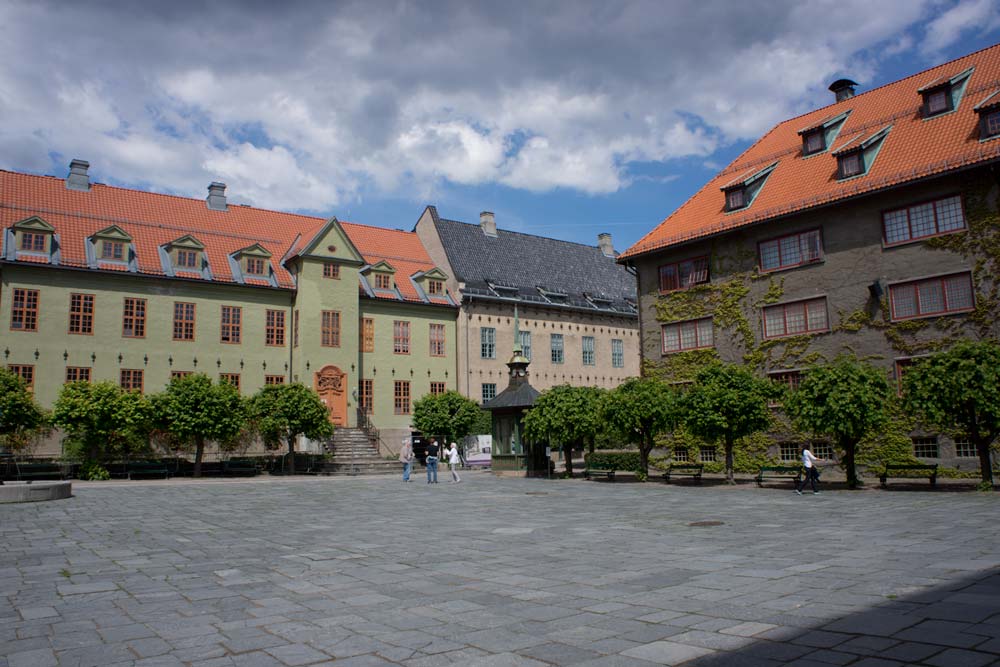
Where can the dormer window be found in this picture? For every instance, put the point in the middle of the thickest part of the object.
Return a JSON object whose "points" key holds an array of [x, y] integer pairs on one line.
{"points": [[937, 102], [383, 281], [33, 241], [991, 123], [944, 94], [813, 142], [856, 156], [255, 266], [817, 137], [187, 259], [736, 199], [850, 164], [740, 192], [435, 287], [989, 116], [113, 250]]}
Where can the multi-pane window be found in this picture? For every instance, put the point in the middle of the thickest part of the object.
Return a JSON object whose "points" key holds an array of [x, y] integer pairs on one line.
{"points": [[792, 250], [130, 379], [274, 379], [401, 397], [800, 317], [435, 287], [488, 343], [367, 335], [401, 337], [526, 344], [331, 270], [965, 449], [26, 372], [330, 330], [788, 379], [274, 328], [683, 274], [366, 396], [81, 313], [32, 242], [617, 353], [383, 281], [488, 391], [690, 335], [232, 324], [77, 374], [556, 348], [923, 220], [134, 318], [925, 448], [789, 451], [437, 388], [934, 296], [706, 454], [187, 259], [255, 266], [822, 449], [991, 124], [295, 328], [437, 340], [230, 378], [680, 454], [24, 310], [588, 350], [112, 250], [180, 374], [183, 321]]}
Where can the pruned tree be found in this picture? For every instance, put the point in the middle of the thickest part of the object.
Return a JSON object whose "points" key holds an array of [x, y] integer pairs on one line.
{"points": [[959, 389], [727, 402], [194, 411], [21, 419], [103, 419], [282, 412], [450, 415], [845, 400], [566, 415], [640, 409]]}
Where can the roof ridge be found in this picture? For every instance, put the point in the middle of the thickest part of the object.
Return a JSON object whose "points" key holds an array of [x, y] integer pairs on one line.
{"points": [[379, 227], [511, 231]]}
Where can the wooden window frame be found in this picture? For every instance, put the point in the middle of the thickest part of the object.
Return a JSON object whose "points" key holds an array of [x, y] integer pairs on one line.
{"points": [[329, 328], [26, 372], [184, 321], [699, 345], [945, 92], [81, 315], [132, 374], [137, 318], [987, 116], [230, 377], [909, 222], [273, 380], [438, 388], [435, 287], [778, 239], [79, 372], [255, 266], [180, 374], [274, 328], [804, 304], [33, 241], [367, 334], [401, 397], [383, 281], [27, 312], [401, 337], [184, 255], [438, 343], [331, 270], [915, 284], [695, 269], [231, 325], [924, 441], [113, 250], [366, 396]]}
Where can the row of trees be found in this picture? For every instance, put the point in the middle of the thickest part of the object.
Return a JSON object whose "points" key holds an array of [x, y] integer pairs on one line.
{"points": [[847, 400], [103, 422]]}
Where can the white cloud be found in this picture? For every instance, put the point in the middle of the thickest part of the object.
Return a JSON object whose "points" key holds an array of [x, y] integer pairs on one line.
{"points": [[980, 16]]}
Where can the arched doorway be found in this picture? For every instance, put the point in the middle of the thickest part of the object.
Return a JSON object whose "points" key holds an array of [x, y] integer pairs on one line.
{"points": [[331, 384]]}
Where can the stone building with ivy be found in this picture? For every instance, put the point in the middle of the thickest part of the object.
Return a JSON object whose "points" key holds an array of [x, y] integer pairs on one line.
{"points": [[869, 227]]}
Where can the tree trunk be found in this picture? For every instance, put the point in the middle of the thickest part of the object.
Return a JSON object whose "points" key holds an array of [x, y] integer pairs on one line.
{"points": [[985, 465], [568, 455], [291, 455], [729, 461], [852, 473], [644, 449], [591, 444], [199, 452]]}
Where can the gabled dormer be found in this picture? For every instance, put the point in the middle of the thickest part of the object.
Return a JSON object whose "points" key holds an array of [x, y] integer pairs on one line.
{"points": [[856, 156], [380, 277], [989, 116], [741, 191], [943, 94], [431, 284], [252, 265], [185, 257], [818, 137], [111, 247], [32, 239]]}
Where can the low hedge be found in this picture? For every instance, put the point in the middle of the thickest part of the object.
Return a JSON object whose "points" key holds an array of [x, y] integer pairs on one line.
{"points": [[608, 459]]}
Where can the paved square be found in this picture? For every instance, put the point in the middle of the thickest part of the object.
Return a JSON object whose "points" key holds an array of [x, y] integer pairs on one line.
{"points": [[497, 572]]}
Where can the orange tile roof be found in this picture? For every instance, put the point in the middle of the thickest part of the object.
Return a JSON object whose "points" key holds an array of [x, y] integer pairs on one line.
{"points": [[914, 149]]}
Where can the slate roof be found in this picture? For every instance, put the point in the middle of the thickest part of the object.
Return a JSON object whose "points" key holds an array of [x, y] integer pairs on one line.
{"points": [[914, 149], [534, 269]]}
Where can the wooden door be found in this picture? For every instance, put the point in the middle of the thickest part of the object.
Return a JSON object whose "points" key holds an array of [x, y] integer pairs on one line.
{"points": [[331, 384]]}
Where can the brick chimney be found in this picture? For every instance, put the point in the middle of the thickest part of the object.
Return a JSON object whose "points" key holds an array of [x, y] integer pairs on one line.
{"points": [[217, 196], [604, 243], [488, 223], [78, 178]]}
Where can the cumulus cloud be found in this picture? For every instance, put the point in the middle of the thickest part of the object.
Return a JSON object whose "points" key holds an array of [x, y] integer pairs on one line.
{"points": [[306, 106], [975, 16]]}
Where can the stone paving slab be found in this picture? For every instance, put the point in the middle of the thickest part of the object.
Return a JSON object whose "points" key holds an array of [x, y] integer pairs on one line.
{"points": [[496, 572]]}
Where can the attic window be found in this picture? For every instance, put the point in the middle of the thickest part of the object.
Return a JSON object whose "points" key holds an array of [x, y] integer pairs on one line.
{"points": [[937, 102], [33, 241], [856, 156], [813, 142], [736, 199], [187, 259], [383, 281], [255, 266], [943, 94], [435, 287], [114, 250], [741, 191], [989, 116], [850, 164], [817, 137]]}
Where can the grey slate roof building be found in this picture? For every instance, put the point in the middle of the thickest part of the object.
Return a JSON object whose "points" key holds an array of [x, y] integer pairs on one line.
{"points": [[511, 266]]}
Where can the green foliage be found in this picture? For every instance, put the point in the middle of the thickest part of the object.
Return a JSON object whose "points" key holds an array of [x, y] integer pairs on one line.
{"points": [[566, 416], [727, 402], [282, 412], [959, 389], [605, 459], [846, 400], [639, 410], [484, 423], [21, 419], [93, 471], [450, 415], [102, 420], [193, 411]]}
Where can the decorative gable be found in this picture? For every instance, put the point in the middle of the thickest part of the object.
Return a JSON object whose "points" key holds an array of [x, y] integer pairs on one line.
{"points": [[32, 236], [111, 246], [380, 276], [332, 242], [185, 257], [432, 284], [252, 264]]}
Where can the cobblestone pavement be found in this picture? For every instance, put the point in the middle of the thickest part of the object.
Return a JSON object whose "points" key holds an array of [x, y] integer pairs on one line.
{"points": [[495, 573]]}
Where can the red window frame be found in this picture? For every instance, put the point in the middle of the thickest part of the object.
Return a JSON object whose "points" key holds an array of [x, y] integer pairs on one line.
{"points": [[915, 286], [330, 328], [274, 328], [26, 372], [231, 325], [81, 314], [134, 313], [78, 374], [781, 263], [437, 388], [255, 266], [909, 223], [367, 334], [132, 379], [383, 281], [33, 241], [274, 379], [401, 337], [187, 259], [789, 379], [401, 397], [786, 307], [180, 374], [435, 287], [184, 318], [24, 310], [331, 270], [231, 378], [437, 339], [669, 275], [678, 327], [113, 250], [366, 396]]}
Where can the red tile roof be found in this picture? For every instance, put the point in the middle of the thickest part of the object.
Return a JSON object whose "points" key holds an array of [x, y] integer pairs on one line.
{"points": [[914, 149]]}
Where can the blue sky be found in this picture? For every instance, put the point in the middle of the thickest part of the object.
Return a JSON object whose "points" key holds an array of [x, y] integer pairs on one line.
{"points": [[564, 119]]}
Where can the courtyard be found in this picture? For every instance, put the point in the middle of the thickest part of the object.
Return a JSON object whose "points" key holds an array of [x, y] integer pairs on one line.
{"points": [[497, 572]]}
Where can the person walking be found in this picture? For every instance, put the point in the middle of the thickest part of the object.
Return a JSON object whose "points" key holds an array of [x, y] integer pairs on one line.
{"points": [[453, 461], [432, 462], [406, 458], [812, 473]]}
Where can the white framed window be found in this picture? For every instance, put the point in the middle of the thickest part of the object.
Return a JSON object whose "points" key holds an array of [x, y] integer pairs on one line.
{"points": [[789, 451], [617, 353], [526, 344], [489, 391], [932, 296], [965, 449], [798, 317], [588, 351], [926, 447], [706, 454], [690, 335], [556, 347], [488, 343]]}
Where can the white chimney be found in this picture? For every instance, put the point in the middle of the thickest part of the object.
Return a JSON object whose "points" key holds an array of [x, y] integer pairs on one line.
{"points": [[488, 223], [216, 196], [78, 178], [604, 243]]}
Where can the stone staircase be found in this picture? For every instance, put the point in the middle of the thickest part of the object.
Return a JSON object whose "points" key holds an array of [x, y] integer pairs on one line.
{"points": [[351, 453]]}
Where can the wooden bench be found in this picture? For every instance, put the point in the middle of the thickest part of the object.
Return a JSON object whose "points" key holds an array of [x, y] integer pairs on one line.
{"points": [[693, 470], [26, 472], [590, 473], [148, 469], [238, 468], [778, 472], [928, 470]]}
